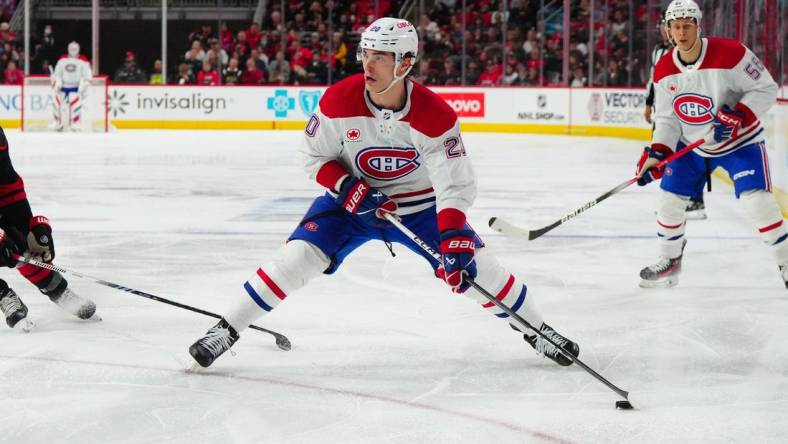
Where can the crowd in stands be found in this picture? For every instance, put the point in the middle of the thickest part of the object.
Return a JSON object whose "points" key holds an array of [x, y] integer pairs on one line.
{"points": [[307, 45]]}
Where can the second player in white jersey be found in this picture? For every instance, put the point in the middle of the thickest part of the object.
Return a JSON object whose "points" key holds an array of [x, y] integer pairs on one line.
{"points": [[714, 89], [381, 143]]}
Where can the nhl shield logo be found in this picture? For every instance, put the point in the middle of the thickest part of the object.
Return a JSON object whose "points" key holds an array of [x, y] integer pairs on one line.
{"points": [[541, 101], [308, 101], [596, 106]]}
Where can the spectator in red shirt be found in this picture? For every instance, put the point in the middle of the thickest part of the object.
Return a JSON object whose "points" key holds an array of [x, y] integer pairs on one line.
{"points": [[252, 75], [207, 76], [12, 74], [226, 38], [253, 35], [491, 75]]}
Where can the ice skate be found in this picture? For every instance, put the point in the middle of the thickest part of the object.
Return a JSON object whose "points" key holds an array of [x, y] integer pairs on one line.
{"points": [[545, 348], [76, 305], [784, 274], [665, 273], [15, 311], [216, 341], [696, 210]]}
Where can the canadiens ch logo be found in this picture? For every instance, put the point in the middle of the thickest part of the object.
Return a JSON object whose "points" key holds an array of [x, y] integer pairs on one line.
{"points": [[353, 134], [693, 109], [387, 163]]}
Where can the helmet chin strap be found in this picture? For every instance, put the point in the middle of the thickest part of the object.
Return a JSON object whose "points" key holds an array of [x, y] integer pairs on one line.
{"points": [[395, 79], [697, 39]]}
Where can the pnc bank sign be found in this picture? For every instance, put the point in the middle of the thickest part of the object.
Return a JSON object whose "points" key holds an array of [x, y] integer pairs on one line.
{"points": [[13, 102]]}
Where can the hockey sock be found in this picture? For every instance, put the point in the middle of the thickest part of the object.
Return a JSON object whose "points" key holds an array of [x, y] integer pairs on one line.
{"points": [[671, 217], [766, 215], [506, 288], [50, 283], [293, 265]]}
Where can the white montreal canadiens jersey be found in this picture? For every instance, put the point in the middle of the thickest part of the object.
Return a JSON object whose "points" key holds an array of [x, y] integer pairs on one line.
{"points": [[414, 155], [688, 98], [71, 71]]}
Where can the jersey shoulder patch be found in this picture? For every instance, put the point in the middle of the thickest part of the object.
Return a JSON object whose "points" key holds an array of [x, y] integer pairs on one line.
{"points": [[429, 114], [723, 54], [345, 99], [665, 66]]}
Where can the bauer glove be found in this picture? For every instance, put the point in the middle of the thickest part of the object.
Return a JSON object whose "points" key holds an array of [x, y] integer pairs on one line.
{"points": [[457, 250], [366, 202]]}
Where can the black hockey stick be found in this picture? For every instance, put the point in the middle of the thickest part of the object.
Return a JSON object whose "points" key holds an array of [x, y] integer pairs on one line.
{"points": [[281, 340], [623, 393], [502, 226]]}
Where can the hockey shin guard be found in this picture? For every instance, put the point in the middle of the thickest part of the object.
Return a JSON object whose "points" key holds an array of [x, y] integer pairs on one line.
{"points": [[768, 219], [511, 291], [671, 218], [292, 266]]}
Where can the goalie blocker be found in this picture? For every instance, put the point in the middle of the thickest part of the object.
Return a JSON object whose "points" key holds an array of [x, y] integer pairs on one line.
{"points": [[46, 108]]}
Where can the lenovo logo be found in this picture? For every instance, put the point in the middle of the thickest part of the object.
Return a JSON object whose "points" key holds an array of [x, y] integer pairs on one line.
{"points": [[465, 104]]}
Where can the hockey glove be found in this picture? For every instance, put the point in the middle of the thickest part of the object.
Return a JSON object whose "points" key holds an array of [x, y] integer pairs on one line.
{"points": [[40, 245], [7, 250], [652, 155], [357, 197], [727, 123], [457, 250]]}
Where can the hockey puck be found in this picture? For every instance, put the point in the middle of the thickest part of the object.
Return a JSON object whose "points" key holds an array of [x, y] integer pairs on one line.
{"points": [[623, 405]]}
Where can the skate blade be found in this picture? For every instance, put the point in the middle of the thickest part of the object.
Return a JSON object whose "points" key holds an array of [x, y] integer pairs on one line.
{"points": [[661, 283], [24, 325], [194, 368], [696, 215]]}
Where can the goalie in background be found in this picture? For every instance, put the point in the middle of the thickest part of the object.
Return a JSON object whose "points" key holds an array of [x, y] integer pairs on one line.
{"points": [[69, 89]]}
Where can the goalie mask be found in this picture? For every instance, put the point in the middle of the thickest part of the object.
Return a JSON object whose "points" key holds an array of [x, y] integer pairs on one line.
{"points": [[73, 49], [393, 35]]}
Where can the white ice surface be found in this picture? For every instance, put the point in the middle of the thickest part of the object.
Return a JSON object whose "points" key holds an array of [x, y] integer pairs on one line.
{"points": [[382, 353]]}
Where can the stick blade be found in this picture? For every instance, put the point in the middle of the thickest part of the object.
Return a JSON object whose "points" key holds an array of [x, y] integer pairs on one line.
{"points": [[504, 227]]}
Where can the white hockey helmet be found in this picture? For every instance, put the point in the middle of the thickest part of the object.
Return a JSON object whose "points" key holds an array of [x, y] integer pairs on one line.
{"points": [[683, 9], [73, 49], [389, 34]]}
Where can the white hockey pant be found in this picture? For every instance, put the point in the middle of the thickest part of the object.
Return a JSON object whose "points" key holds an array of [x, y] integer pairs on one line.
{"points": [[765, 213], [292, 266], [502, 284]]}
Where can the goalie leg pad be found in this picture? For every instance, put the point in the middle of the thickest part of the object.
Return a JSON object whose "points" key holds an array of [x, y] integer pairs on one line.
{"points": [[768, 219], [671, 223], [291, 267], [74, 110], [509, 290]]}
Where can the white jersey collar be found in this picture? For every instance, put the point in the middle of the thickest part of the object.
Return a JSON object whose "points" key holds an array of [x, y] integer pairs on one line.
{"points": [[698, 63], [388, 114]]}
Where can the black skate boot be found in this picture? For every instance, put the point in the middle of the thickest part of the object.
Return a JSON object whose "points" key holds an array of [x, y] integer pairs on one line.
{"points": [[784, 274], [216, 341], [664, 273], [75, 304], [14, 310], [545, 348], [696, 210]]}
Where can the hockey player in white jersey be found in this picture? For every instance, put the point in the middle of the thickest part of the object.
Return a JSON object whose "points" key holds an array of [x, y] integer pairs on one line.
{"points": [[714, 89], [69, 89], [381, 143]]}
